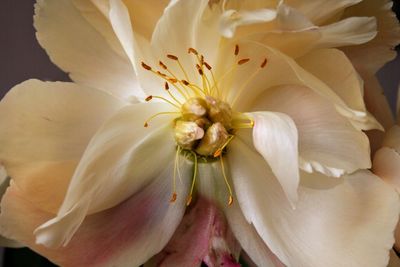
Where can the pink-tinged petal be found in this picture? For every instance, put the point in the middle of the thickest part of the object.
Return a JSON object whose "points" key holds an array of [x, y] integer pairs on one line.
{"points": [[341, 222], [275, 137], [191, 241], [125, 235], [321, 128], [386, 165], [394, 259], [123, 152], [73, 43]]}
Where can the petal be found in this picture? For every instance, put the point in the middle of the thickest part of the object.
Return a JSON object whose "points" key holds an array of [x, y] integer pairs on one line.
{"points": [[126, 235], [374, 54], [394, 259], [51, 120], [115, 152], [191, 241], [320, 130], [321, 11], [392, 138], [249, 239], [145, 14], [345, 223], [77, 47], [386, 165], [275, 138]]}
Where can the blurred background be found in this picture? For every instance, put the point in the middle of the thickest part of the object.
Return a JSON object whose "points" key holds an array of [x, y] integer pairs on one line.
{"points": [[22, 58]]}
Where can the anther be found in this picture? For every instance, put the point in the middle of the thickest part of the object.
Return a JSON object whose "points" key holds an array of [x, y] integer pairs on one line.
{"points": [[172, 57], [200, 72], [207, 65], [161, 74], [162, 65], [185, 82], [264, 63], [173, 197], [166, 86], [150, 97], [193, 51], [243, 61], [173, 80], [230, 200], [236, 50], [145, 66], [189, 200], [146, 125]]}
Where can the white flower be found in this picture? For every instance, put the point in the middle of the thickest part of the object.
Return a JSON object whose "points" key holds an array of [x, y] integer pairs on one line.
{"points": [[265, 128]]}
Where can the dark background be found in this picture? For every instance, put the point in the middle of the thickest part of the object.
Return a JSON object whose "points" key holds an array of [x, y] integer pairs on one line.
{"points": [[22, 58]]}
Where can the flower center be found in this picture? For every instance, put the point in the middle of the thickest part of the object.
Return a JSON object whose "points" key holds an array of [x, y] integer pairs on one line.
{"points": [[205, 124]]}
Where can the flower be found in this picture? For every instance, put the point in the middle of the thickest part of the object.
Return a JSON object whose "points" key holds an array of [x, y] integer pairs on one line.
{"points": [[260, 136]]}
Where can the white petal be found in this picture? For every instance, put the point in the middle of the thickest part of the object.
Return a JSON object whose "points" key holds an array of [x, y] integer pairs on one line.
{"points": [[123, 236], [79, 49], [121, 151], [328, 143], [392, 138], [275, 138], [346, 222]]}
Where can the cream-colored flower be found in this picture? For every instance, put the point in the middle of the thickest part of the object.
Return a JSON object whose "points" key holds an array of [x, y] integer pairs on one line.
{"points": [[267, 128]]}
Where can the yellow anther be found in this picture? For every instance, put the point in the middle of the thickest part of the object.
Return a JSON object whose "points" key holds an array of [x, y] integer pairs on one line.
{"points": [[173, 198]]}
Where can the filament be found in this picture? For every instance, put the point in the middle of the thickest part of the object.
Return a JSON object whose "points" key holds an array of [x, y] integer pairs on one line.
{"points": [[230, 199], [189, 200], [146, 123], [218, 152]]}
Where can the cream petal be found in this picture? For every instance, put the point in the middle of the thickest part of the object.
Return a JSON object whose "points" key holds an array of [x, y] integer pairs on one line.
{"points": [[333, 68], [50, 121], [126, 235], [320, 11], [231, 19], [249, 239], [346, 223], [145, 14], [374, 54], [386, 165], [114, 153], [78, 48], [392, 138], [321, 128], [347, 32], [258, 79], [275, 137]]}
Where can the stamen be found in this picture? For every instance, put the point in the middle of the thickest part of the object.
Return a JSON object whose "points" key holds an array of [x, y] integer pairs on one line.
{"points": [[243, 61], [162, 65], [172, 57], [150, 97], [174, 194], [236, 50], [146, 123], [218, 152], [189, 200], [230, 199], [207, 65], [243, 86], [193, 51], [145, 66]]}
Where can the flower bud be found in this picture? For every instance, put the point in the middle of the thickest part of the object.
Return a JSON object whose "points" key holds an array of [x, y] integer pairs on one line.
{"points": [[186, 134], [215, 137]]}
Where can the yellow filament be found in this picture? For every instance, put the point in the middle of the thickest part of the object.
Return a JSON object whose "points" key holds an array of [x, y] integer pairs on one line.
{"points": [[243, 86], [168, 101], [174, 194], [173, 97], [167, 79], [189, 200], [230, 200], [146, 123], [218, 152]]}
